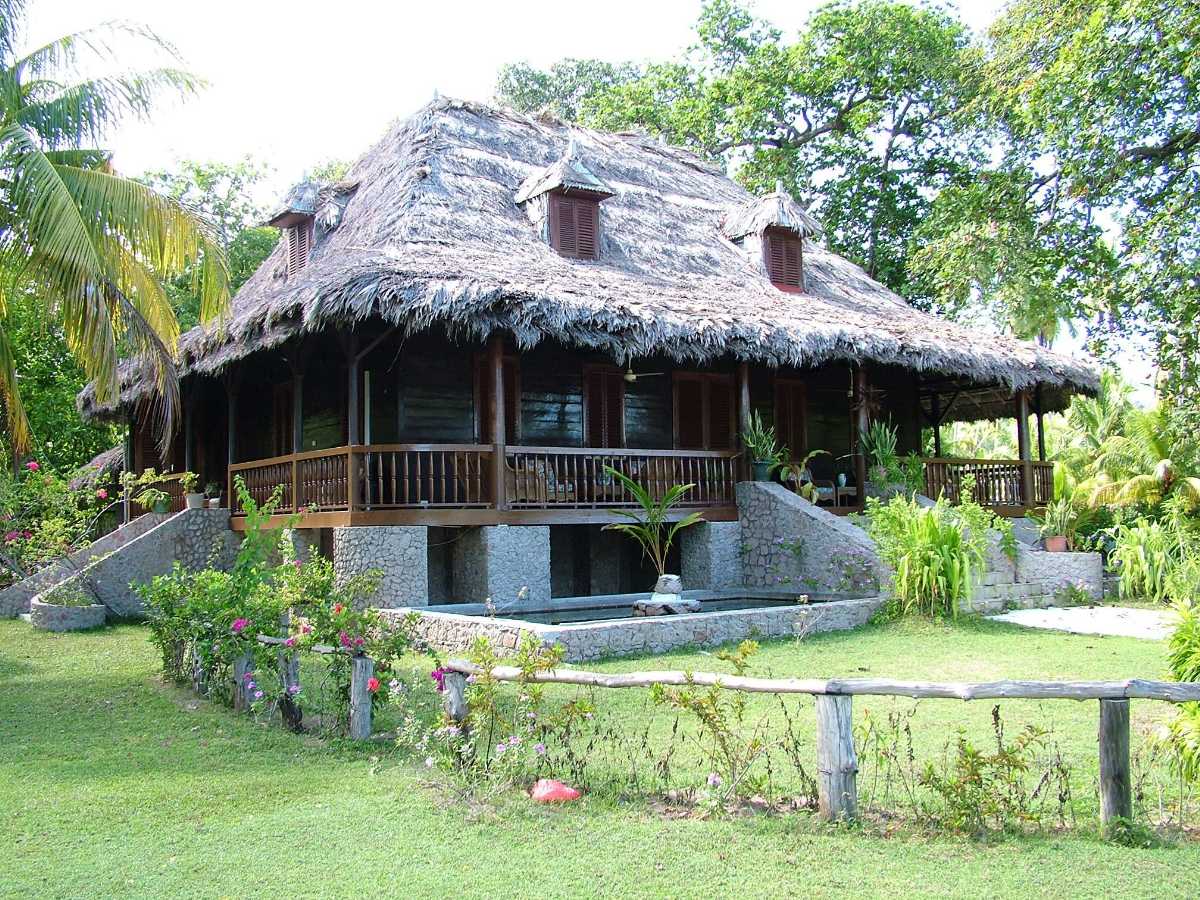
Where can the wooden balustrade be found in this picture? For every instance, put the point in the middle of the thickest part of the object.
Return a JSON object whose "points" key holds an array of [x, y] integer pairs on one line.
{"points": [[575, 478], [399, 476], [997, 482]]}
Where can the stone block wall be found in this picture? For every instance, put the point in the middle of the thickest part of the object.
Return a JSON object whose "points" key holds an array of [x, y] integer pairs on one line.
{"points": [[1054, 570], [711, 556], [498, 561], [788, 542], [399, 552]]}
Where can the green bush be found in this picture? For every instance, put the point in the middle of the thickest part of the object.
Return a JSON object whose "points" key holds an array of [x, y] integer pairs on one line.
{"points": [[935, 553], [1145, 554]]}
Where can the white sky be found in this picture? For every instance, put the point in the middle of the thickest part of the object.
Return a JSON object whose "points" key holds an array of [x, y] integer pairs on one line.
{"points": [[294, 83]]}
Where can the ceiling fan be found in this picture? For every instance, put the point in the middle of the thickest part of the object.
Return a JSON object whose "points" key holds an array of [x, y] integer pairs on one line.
{"points": [[631, 376]]}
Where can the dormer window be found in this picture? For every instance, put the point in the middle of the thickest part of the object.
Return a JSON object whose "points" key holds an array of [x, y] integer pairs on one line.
{"points": [[783, 257], [563, 202], [575, 225], [299, 241]]}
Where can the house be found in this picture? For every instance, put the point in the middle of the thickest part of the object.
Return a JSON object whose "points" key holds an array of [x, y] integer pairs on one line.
{"points": [[492, 308]]}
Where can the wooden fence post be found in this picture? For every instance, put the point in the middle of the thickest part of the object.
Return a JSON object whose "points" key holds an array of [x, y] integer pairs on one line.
{"points": [[199, 674], [362, 668], [837, 765], [242, 666], [1116, 800], [455, 699]]}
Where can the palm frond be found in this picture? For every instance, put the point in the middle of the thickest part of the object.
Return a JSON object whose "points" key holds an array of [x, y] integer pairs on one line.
{"points": [[10, 392], [101, 42], [86, 110], [12, 14]]}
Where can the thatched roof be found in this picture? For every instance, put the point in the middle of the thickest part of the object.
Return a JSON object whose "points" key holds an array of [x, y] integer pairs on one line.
{"points": [[104, 468], [427, 233], [569, 173], [776, 210]]}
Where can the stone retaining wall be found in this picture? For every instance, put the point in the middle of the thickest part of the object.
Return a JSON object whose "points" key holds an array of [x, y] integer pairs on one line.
{"points": [[788, 542], [399, 552], [711, 556], [1055, 570], [650, 635], [49, 617]]}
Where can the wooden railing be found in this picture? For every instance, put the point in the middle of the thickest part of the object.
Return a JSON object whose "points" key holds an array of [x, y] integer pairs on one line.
{"points": [[576, 478], [998, 483]]}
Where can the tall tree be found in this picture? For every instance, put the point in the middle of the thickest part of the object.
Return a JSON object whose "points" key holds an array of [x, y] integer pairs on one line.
{"points": [[89, 248], [863, 115]]}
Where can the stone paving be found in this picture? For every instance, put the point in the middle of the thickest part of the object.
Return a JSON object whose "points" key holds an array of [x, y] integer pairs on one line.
{"points": [[1114, 621]]}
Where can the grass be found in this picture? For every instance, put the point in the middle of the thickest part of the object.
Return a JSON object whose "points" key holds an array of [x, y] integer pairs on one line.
{"points": [[113, 784]]}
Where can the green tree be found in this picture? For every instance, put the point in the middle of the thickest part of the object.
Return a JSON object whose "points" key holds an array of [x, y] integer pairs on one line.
{"points": [[89, 248], [561, 90], [224, 193]]}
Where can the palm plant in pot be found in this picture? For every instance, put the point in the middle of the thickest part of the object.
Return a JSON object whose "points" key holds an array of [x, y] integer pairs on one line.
{"points": [[878, 443], [1058, 524], [765, 453]]}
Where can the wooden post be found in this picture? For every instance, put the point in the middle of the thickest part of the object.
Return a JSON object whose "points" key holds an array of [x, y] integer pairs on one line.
{"points": [[362, 669], [935, 409], [1116, 801], [862, 419], [231, 395], [837, 765], [189, 431], [1041, 424], [1023, 449], [495, 371], [289, 671], [242, 666], [298, 407], [743, 383], [127, 461], [199, 675], [353, 434], [455, 698]]}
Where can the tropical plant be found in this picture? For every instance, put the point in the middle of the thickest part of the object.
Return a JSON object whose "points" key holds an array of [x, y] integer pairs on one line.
{"points": [[1060, 518], [89, 247], [1146, 553], [761, 442], [799, 474], [1135, 467], [649, 525], [934, 553], [878, 443], [188, 481]]}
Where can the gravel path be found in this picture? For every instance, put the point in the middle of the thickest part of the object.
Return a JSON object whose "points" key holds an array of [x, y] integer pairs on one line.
{"points": [[1117, 621]]}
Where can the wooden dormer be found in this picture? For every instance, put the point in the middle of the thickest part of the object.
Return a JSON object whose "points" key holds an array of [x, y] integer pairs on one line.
{"points": [[563, 200]]}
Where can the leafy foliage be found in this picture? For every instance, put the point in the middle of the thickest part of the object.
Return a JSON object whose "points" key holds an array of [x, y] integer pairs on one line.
{"points": [[649, 522]]}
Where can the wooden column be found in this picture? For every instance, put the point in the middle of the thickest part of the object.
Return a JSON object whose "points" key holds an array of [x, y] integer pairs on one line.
{"points": [[935, 410], [1116, 800], [495, 371], [298, 407], [189, 431], [1041, 424], [127, 462], [353, 424], [743, 383], [862, 419], [231, 395], [1023, 448], [837, 764]]}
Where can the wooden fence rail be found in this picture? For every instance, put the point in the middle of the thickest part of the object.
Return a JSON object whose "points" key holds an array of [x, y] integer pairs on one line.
{"points": [[837, 765]]}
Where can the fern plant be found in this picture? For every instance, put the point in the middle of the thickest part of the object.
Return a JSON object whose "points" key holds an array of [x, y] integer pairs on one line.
{"points": [[649, 525]]}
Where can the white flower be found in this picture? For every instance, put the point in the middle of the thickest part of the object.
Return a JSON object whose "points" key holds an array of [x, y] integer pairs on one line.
{"points": [[429, 761]]}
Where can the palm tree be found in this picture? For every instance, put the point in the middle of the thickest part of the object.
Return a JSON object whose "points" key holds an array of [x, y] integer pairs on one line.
{"points": [[89, 248], [1135, 466]]}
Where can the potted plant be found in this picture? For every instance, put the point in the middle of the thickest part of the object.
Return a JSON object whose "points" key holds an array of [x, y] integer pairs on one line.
{"points": [[212, 491], [877, 442], [193, 499], [648, 526], [765, 452], [800, 473], [1057, 525]]}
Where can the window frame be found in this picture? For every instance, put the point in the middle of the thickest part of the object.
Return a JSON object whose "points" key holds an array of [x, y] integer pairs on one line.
{"points": [[777, 279], [558, 200], [706, 380]]}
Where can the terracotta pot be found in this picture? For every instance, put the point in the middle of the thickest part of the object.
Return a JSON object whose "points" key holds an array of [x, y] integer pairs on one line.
{"points": [[1055, 544]]}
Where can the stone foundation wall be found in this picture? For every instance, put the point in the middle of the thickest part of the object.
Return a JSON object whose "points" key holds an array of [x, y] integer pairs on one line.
{"points": [[1055, 570], [399, 552], [788, 542], [48, 617], [499, 562], [650, 635], [711, 554]]}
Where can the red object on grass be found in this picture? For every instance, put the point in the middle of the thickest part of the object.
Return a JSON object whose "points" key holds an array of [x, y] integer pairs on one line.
{"points": [[547, 790]]}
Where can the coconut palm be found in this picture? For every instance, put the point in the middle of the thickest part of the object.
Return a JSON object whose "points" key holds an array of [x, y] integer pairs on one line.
{"points": [[88, 248], [1135, 466]]}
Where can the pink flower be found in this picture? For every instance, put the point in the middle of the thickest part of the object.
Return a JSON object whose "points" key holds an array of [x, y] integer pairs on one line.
{"points": [[343, 639], [372, 684], [102, 494], [290, 642], [12, 536], [239, 625], [439, 676], [296, 563], [306, 628], [358, 642], [32, 465], [258, 695], [27, 534]]}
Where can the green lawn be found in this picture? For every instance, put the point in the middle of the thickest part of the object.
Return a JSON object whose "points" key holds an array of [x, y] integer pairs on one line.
{"points": [[113, 784]]}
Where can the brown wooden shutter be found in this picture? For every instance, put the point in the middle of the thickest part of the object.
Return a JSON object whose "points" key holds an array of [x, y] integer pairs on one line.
{"points": [[791, 415], [299, 239], [575, 226], [604, 408], [782, 254], [721, 420], [689, 413], [587, 224]]}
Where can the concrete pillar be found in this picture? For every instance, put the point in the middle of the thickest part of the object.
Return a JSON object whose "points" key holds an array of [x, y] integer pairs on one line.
{"points": [[399, 552], [498, 561], [711, 556]]}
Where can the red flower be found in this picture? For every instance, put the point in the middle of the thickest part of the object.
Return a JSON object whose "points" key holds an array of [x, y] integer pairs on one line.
{"points": [[337, 608], [372, 684], [32, 465]]}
